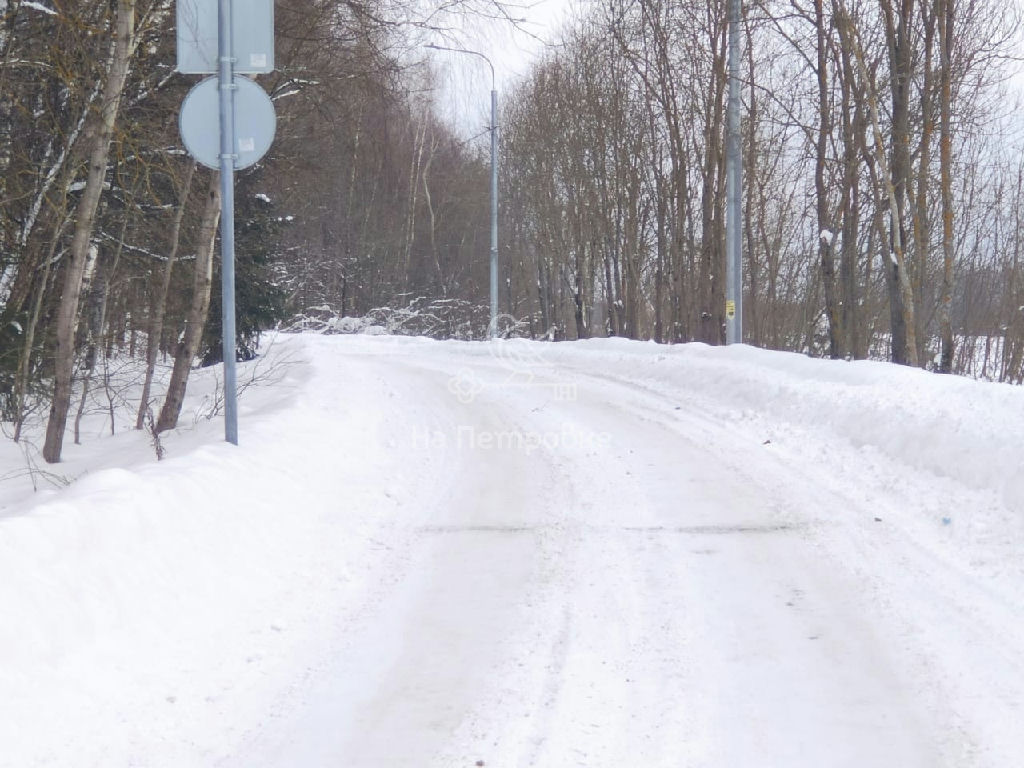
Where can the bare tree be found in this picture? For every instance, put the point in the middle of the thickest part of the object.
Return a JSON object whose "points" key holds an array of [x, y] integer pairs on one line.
{"points": [[159, 304], [195, 321], [123, 43]]}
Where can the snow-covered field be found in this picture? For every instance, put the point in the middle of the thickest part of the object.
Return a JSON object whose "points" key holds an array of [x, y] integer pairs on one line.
{"points": [[606, 554]]}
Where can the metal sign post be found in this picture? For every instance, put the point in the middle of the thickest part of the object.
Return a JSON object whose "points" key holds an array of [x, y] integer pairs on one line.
{"points": [[250, 34], [227, 217]]}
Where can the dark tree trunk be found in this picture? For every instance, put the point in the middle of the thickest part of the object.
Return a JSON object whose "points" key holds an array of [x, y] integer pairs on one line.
{"points": [[196, 320]]}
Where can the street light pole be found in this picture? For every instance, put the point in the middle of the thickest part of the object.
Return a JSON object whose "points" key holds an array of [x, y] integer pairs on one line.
{"points": [[493, 325], [492, 328], [733, 189]]}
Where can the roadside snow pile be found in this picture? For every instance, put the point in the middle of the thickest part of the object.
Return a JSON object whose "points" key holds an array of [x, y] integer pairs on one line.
{"points": [[140, 605], [952, 427]]}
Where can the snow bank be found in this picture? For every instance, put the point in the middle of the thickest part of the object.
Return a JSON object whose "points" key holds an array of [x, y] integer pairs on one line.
{"points": [[139, 605], [951, 427]]}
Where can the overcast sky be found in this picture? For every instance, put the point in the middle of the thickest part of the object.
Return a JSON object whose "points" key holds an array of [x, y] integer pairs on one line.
{"points": [[466, 80]]}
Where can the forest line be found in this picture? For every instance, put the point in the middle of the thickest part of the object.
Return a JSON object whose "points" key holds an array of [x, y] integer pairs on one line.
{"points": [[882, 198]]}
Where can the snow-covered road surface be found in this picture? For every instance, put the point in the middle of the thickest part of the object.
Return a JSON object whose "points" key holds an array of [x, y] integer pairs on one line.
{"points": [[604, 555]]}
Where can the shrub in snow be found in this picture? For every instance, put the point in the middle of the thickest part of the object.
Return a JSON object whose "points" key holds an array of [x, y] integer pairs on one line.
{"points": [[433, 318]]}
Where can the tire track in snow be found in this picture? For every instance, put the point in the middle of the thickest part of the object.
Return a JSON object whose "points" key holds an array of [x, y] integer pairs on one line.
{"points": [[644, 601], [952, 638], [613, 706]]}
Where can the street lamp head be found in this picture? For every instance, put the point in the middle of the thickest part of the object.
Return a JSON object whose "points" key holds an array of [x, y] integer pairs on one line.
{"points": [[483, 56]]}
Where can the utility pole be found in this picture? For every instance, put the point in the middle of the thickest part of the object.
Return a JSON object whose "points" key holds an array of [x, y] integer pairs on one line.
{"points": [[733, 189], [492, 328]]}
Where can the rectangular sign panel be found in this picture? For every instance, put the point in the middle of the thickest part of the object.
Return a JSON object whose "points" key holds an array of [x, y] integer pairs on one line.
{"points": [[252, 32]]}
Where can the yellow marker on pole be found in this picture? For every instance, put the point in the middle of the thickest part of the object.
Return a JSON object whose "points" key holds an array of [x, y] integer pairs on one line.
{"points": [[730, 309]]}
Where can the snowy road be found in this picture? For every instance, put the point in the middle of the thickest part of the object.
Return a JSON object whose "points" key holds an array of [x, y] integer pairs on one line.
{"points": [[437, 555], [600, 574]]}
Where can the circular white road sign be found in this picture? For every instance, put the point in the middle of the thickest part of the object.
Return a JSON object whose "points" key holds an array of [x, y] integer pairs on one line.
{"points": [[255, 122]]}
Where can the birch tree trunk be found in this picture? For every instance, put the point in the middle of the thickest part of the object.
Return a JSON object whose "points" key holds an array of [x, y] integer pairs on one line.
{"points": [[25, 361], [898, 28], [901, 295], [96, 314], [853, 123], [123, 46], [826, 230]]}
